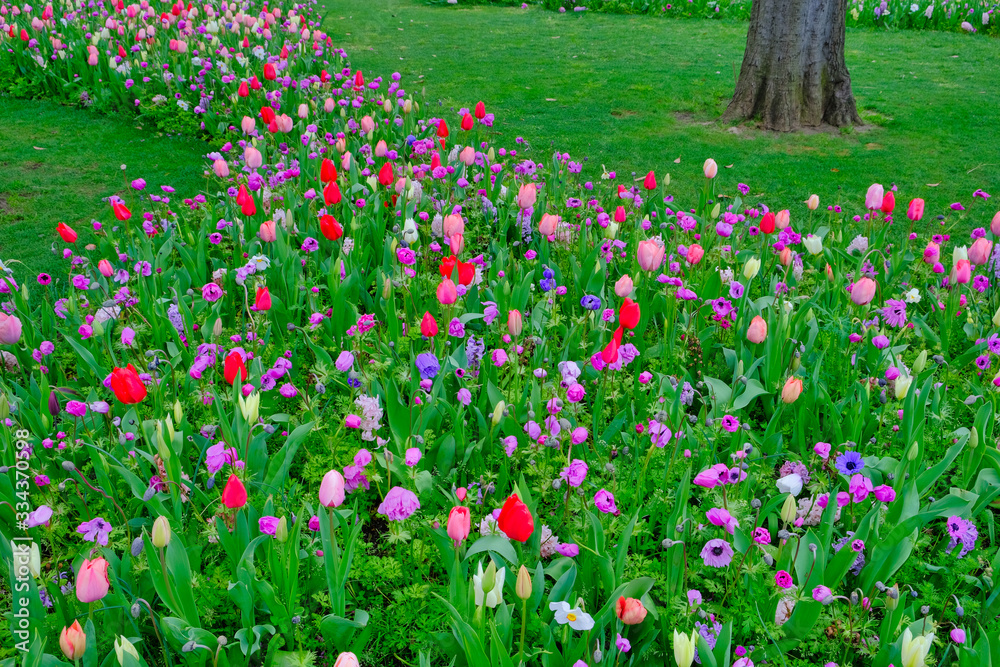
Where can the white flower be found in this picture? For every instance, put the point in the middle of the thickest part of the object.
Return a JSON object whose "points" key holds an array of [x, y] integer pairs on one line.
{"points": [[790, 484], [495, 596], [914, 650], [914, 7], [578, 620], [913, 296], [814, 244], [259, 262]]}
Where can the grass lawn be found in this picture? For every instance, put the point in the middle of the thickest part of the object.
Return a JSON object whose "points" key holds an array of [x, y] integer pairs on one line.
{"points": [[636, 93], [57, 164]]}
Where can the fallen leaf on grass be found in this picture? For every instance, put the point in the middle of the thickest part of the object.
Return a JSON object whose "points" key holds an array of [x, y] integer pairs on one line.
{"points": [[38, 148], [730, 166], [677, 161], [933, 185]]}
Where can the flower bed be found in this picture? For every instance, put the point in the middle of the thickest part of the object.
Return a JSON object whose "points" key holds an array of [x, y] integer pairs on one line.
{"points": [[975, 17], [384, 389]]}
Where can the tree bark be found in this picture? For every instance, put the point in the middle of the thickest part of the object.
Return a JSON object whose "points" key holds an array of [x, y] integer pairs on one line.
{"points": [[794, 74]]}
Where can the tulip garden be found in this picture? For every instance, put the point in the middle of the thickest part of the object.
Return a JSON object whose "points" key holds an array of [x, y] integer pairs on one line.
{"points": [[388, 391]]}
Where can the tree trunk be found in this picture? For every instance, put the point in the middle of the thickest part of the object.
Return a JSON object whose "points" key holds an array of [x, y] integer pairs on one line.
{"points": [[794, 74]]}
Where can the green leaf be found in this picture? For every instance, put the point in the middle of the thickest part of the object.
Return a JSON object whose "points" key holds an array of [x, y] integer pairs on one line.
{"points": [[497, 545]]}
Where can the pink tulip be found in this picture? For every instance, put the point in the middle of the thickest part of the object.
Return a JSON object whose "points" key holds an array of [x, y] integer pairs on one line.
{"points": [[757, 331], [467, 156], [961, 273], [104, 266], [547, 226], [331, 489], [447, 293], [916, 210], [453, 224], [710, 168], [92, 580], [791, 391], [527, 194], [221, 168], [381, 148], [456, 243], [623, 287], [782, 218], [873, 199], [514, 323], [248, 124], [346, 660], [73, 641], [253, 157], [785, 256], [995, 224], [863, 291], [367, 124], [303, 111], [979, 253], [268, 231], [695, 253], [10, 329], [459, 523], [650, 255]]}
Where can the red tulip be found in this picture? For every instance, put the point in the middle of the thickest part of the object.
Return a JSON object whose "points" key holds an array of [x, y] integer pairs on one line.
{"points": [[447, 293], [121, 211], [234, 496], [628, 314], [447, 266], [359, 80], [767, 223], [442, 130], [234, 366], [620, 214], [243, 90], [241, 195], [467, 122], [435, 160], [650, 181], [254, 83], [284, 52], [127, 386], [267, 114], [385, 175], [249, 207], [330, 228], [888, 202], [263, 300], [269, 72], [480, 110], [466, 273], [428, 326], [327, 171], [610, 352], [515, 520], [916, 210], [67, 233], [331, 193], [121, 52]]}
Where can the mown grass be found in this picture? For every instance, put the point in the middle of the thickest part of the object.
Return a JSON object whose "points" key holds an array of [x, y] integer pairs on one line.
{"points": [[636, 93], [58, 164]]}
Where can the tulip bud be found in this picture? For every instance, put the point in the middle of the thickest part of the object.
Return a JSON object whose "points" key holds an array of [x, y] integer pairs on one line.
{"points": [[386, 288], [523, 587], [813, 202], [710, 168], [217, 328], [123, 646], [161, 532], [4, 407], [281, 532], [911, 454], [751, 268], [789, 509], [35, 561], [921, 362], [498, 412], [489, 578], [974, 438]]}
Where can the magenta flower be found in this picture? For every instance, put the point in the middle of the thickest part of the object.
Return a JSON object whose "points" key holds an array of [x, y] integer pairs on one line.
{"points": [[268, 525], [413, 456], [211, 292], [399, 504], [76, 408], [822, 594], [95, 530], [605, 501], [717, 553], [575, 473]]}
